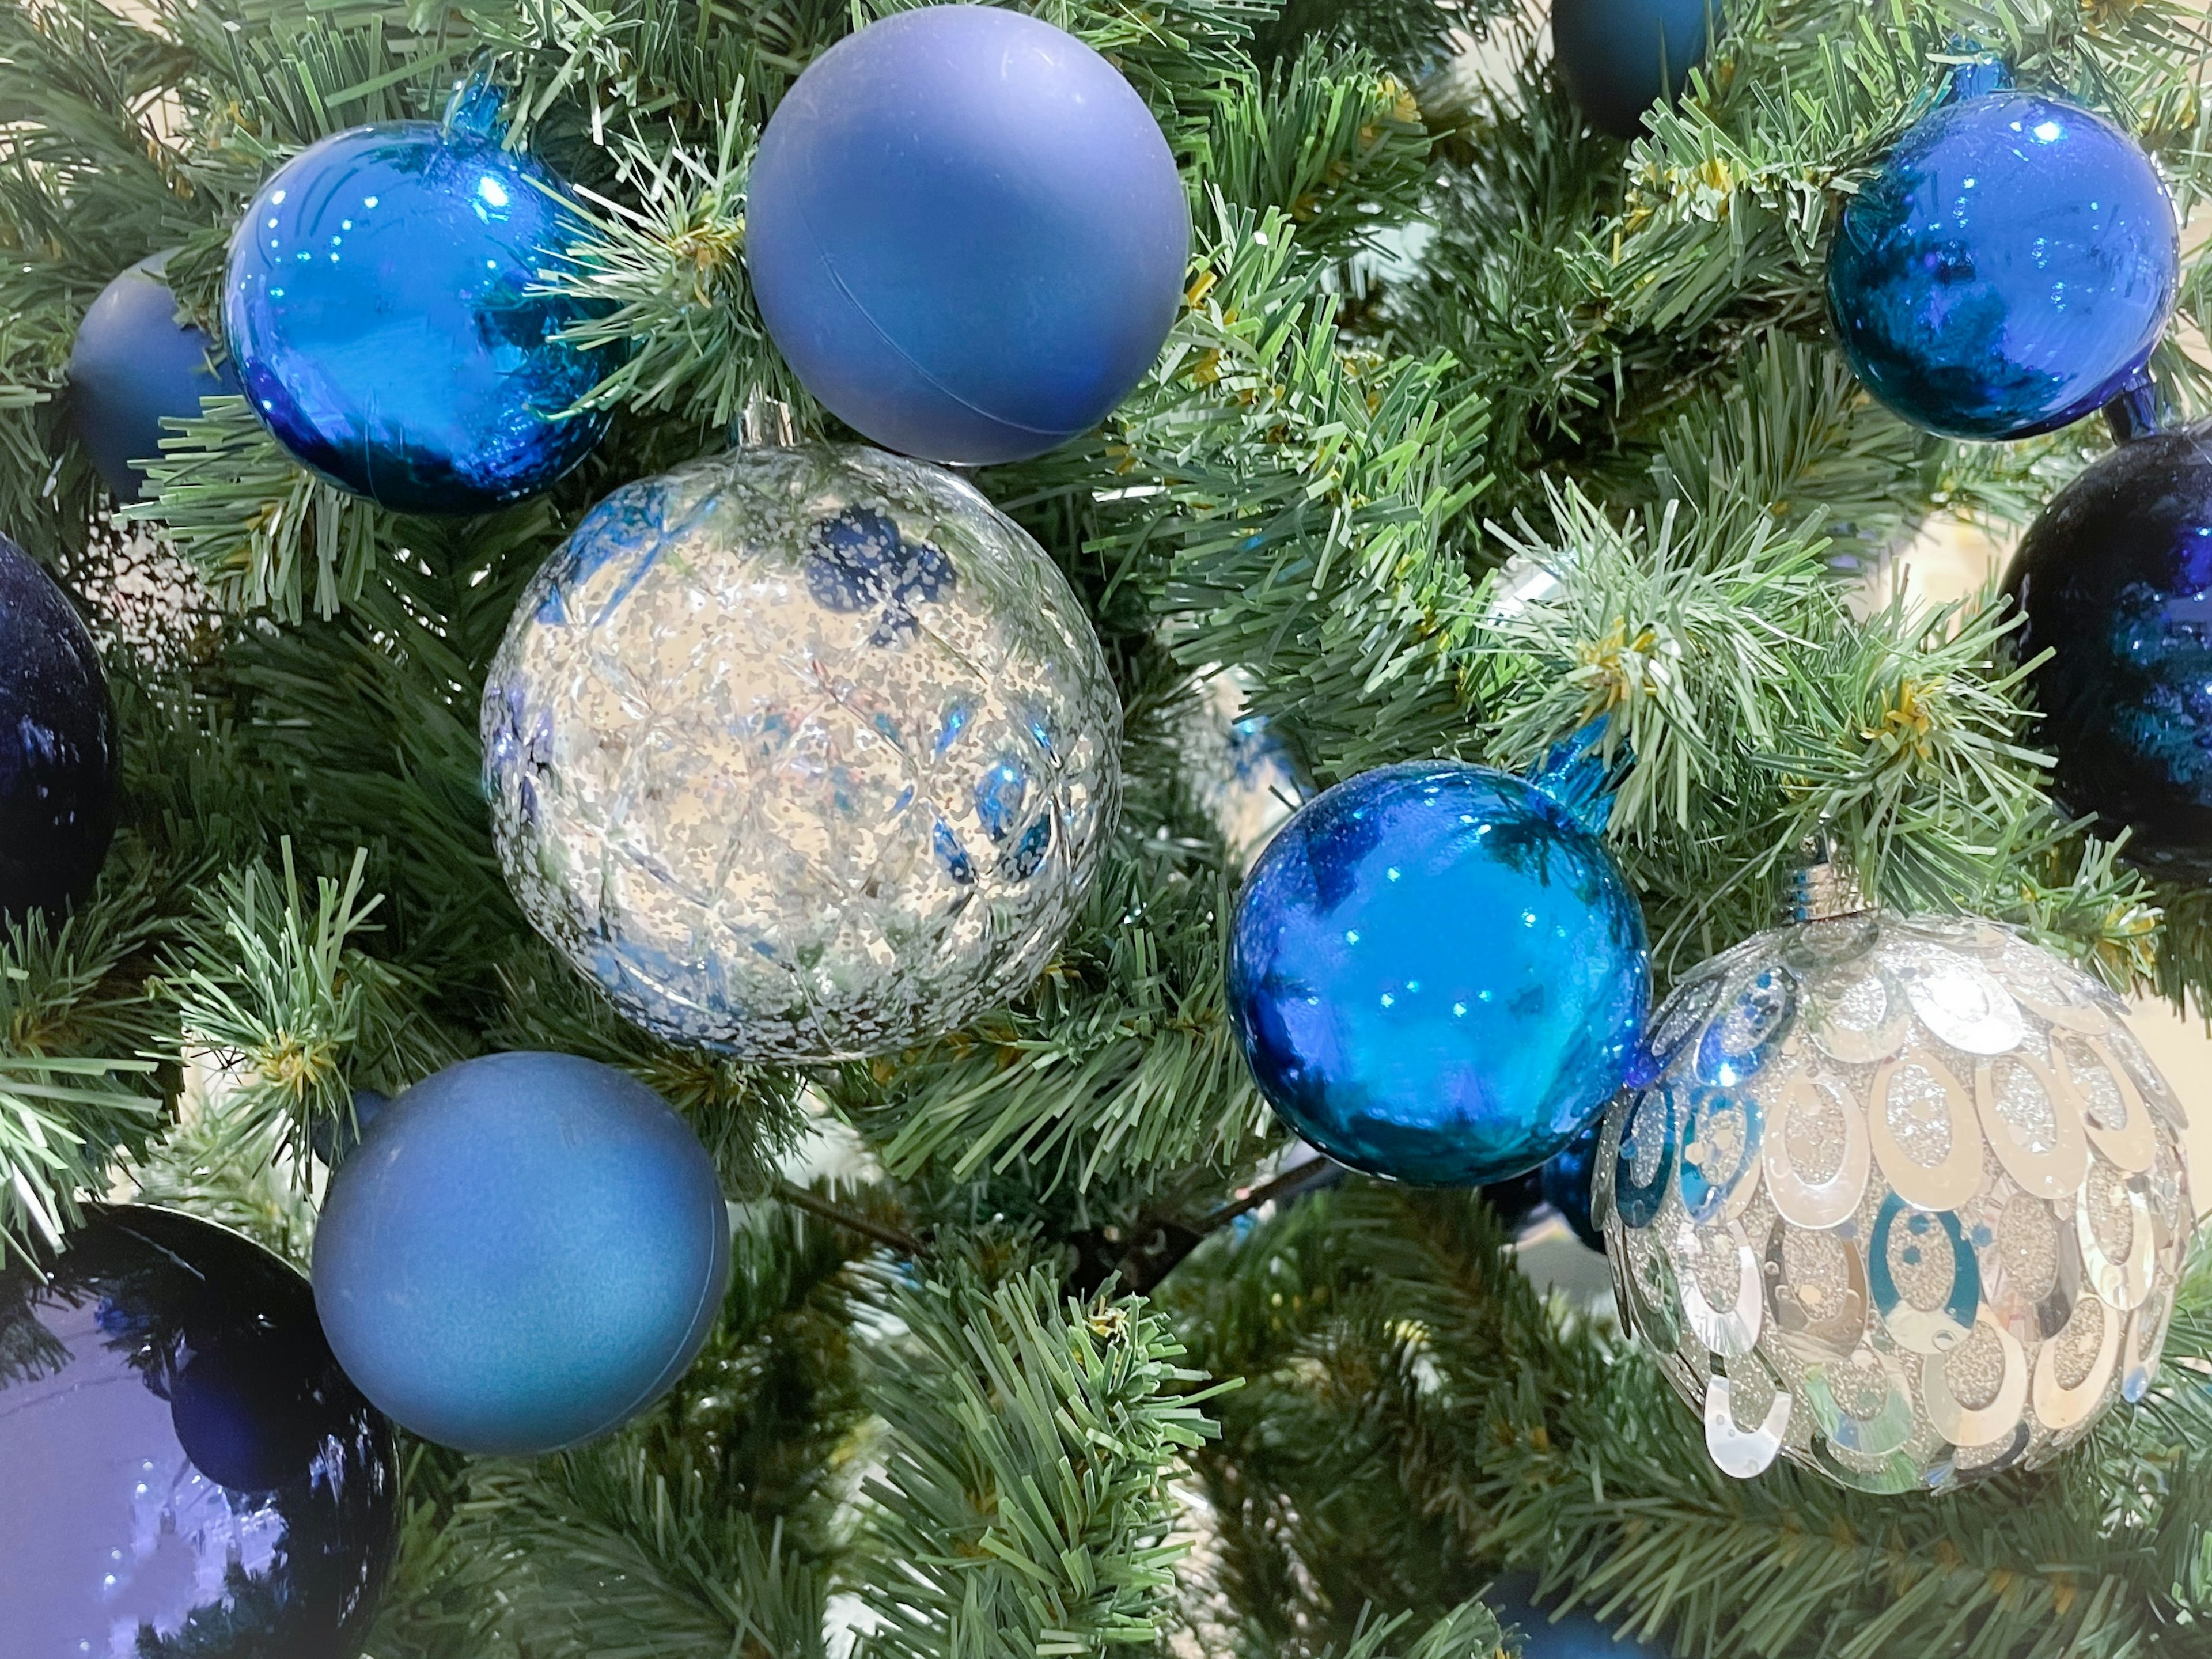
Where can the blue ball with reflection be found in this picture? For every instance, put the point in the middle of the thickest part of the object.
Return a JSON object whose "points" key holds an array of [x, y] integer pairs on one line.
{"points": [[2115, 580], [2008, 269], [382, 305], [1437, 974]]}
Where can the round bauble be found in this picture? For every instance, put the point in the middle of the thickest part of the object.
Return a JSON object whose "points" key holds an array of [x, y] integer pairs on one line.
{"points": [[182, 1460], [1545, 1633], [1566, 1180], [802, 754], [526, 1251], [2008, 270], [1619, 57], [1904, 1202], [966, 234], [2115, 582], [384, 307], [57, 746], [1437, 974], [134, 366]]}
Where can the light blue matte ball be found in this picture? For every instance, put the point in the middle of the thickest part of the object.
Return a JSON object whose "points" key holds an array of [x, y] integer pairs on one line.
{"points": [[526, 1250], [966, 234]]}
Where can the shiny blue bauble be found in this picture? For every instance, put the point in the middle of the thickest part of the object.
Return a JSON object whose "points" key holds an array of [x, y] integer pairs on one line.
{"points": [[525, 1251], [381, 306], [1619, 57], [966, 234], [1437, 974], [2008, 269], [184, 1469], [133, 366], [58, 746], [2115, 580]]}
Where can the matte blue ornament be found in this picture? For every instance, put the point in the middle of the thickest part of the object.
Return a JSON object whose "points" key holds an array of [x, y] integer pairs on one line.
{"points": [[966, 234], [57, 746], [2115, 580], [1566, 1180], [1619, 57], [2009, 268], [382, 305], [183, 1470], [525, 1251], [1437, 973], [133, 366]]}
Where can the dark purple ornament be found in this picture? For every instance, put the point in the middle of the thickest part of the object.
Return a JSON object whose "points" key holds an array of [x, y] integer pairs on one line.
{"points": [[183, 1470], [57, 745], [2115, 579]]}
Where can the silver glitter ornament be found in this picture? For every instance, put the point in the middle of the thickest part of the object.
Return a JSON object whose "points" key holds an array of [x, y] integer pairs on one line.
{"points": [[801, 754], [1904, 1201]]}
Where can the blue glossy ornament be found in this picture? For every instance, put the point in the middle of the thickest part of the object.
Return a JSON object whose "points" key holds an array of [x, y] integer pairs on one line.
{"points": [[1619, 57], [1571, 1635], [525, 1251], [183, 1467], [2115, 581], [57, 745], [383, 306], [1437, 973], [135, 365], [966, 234], [1565, 1182], [2008, 269]]}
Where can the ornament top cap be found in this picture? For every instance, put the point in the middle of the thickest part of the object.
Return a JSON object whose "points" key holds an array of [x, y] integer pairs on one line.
{"points": [[1582, 771], [478, 108], [1976, 75], [1825, 888]]}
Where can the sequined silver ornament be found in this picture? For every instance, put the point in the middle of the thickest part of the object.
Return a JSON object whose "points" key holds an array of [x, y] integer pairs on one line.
{"points": [[802, 753], [1904, 1202]]}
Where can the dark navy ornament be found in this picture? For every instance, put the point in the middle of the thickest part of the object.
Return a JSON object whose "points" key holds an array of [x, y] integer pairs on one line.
{"points": [[183, 1467], [57, 745], [2115, 581], [2008, 269], [1437, 973], [966, 234], [385, 307], [1619, 57], [526, 1251], [1565, 1182], [135, 365]]}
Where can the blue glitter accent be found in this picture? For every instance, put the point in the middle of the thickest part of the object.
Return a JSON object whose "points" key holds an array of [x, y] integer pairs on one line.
{"points": [[956, 721], [2008, 269], [1437, 975], [1738, 1044], [1026, 856], [383, 302], [1000, 793], [1655, 1113], [952, 855], [859, 561], [1711, 1175]]}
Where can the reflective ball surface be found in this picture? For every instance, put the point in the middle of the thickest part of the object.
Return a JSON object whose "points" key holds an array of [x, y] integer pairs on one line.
{"points": [[2008, 270], [183, 1467], [1619, 57], [966, 234], [802, 754], [381, 305], [1904, 1204], [1437, 973], [525, 1251], [57, 745], [133, 365], [2115, 580]]}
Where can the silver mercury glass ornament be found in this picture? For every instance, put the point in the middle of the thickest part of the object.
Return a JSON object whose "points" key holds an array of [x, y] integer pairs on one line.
{"points": [[1900, 1199], [802, 752]]}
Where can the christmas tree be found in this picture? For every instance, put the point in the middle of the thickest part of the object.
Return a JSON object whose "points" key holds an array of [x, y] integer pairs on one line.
{"points": [[1477, 427]]}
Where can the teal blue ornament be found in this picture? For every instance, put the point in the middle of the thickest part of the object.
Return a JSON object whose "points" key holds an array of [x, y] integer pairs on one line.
{"points": [[384, 305], [525, 1251], [1437, 973], [2008, 268]]}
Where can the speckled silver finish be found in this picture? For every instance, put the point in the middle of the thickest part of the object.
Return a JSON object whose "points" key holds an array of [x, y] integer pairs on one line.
{"points": [[802, 753], [1905, 1203]]}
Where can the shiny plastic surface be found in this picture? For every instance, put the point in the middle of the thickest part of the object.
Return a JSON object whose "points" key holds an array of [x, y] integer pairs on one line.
{"points": [[1618, 58], [57, 745]]}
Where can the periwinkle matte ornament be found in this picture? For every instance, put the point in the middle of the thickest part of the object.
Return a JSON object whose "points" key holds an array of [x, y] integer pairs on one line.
{"points": [[133, 366], [966, 234], [2115, 581], [525, 1251], [1903, 1202], [57, 746], [2009, 267], [184, 1469], [1437, 973], [802, 754], [383, 304], [1619, 57]]}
